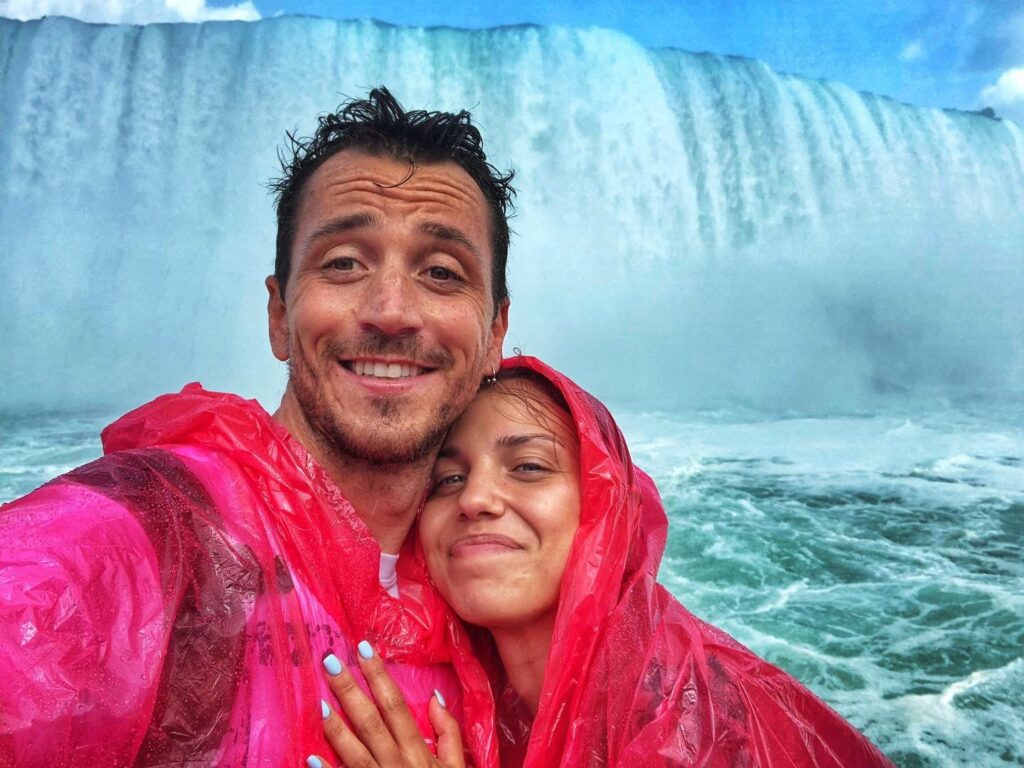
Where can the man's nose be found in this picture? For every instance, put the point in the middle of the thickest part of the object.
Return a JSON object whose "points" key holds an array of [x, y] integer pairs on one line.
{"points": [[392, 304], [481, 496]]}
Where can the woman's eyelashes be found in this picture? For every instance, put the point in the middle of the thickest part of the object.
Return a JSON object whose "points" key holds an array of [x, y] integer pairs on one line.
{"points": [[450, 480], [533, 467], [446, 482]]}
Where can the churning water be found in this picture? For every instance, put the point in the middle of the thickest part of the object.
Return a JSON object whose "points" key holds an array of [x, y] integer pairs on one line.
{"points": [[878, 558]]}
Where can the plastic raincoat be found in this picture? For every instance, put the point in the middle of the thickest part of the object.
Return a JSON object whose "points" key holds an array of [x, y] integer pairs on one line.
{"points": [[633, 678], [169, 603]]}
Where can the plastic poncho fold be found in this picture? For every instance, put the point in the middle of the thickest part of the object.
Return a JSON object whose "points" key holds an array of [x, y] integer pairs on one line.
{"points": [[634, 679], [169, 603]]}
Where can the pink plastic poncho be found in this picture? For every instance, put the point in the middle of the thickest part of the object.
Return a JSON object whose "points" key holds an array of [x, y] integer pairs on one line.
{"points": [[633, 678], [169, 604]]}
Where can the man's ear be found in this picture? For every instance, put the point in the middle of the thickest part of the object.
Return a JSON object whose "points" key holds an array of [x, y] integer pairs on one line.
{"points": [[277, 319], [499, 327]]}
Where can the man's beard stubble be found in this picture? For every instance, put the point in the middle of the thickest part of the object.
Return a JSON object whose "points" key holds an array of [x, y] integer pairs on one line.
{"points": [[376, 446]]}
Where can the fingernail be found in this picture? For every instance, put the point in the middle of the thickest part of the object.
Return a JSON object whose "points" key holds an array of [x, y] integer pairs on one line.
{"points": [[314, 762], [325, 709], [332, 664], [440, 698], [366, 650]]}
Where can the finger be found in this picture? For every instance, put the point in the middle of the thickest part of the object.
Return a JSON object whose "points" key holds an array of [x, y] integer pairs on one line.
{"points": [[449, 739], [368, 727], [390, 700], [346, 745]]}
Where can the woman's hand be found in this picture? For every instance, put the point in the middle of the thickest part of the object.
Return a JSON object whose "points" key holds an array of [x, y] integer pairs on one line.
{"points": [[383, 734]]}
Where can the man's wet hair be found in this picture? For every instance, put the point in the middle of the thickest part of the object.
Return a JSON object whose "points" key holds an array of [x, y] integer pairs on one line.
{"points": [[378, 125]]}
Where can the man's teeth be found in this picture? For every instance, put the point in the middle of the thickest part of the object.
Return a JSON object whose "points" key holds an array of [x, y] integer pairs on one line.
{"points": [[384, 370]]}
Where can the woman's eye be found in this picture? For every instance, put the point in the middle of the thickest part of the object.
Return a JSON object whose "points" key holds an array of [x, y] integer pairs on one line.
{"points": [[531, 467], [447, 483]]}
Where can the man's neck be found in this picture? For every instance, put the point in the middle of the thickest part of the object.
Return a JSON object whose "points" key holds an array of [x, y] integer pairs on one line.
{"points": [[386, 496]]}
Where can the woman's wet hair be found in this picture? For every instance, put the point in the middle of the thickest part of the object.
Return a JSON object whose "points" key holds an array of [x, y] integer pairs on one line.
{"points": [[531, 390]]}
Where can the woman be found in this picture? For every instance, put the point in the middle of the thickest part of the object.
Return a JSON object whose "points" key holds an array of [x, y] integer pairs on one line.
{"points": [[539, 530]]}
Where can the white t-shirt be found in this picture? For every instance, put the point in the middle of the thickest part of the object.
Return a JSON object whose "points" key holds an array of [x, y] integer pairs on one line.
{"points": [[388, 573]]}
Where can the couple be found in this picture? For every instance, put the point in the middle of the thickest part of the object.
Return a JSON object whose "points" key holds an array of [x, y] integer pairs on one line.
{"points": [[538, 530], [173, 602]]}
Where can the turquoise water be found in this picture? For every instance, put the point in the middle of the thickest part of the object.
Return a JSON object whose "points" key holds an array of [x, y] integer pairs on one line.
{"points": [[879, 558]]}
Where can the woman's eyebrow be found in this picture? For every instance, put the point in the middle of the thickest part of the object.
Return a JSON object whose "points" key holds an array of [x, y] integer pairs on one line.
{"points": [[512, 441], [449, 452]]}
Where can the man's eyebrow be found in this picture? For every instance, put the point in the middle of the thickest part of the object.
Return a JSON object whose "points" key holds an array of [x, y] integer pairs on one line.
{"points": [[453, 234], [342, 224]]}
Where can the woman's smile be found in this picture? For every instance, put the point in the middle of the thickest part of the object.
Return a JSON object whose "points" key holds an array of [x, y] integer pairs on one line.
{"points": [[472, 545]]}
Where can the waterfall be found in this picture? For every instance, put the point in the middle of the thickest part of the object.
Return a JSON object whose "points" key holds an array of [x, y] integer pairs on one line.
{"points": [[691, 229]]}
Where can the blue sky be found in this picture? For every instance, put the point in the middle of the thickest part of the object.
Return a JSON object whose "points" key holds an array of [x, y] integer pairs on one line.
{"points": [[930, 52], [956, 53]]}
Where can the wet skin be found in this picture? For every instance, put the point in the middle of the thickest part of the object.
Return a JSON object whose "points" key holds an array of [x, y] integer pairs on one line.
{"points": [[390, 277], [505, 505], [497, 530]]}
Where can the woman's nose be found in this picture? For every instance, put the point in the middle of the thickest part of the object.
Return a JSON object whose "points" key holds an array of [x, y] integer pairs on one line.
{"points": [[481, 496]]}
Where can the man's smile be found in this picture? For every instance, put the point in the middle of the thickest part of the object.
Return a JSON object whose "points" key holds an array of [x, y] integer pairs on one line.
{"points": [[388, 377], [384, 369]]}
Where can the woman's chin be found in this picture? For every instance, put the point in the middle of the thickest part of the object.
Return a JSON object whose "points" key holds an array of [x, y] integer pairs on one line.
{"points": [[479, 613], [499, 613]]}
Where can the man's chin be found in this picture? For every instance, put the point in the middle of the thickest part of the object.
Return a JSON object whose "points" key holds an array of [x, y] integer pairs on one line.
{"points": [[383, 446]]}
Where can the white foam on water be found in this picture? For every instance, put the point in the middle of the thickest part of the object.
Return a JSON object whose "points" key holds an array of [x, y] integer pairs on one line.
{"points": [[880, 558]]}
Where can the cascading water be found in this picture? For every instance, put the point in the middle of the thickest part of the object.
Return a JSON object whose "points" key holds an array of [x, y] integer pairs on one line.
{"points": [[693, 231], [691, 228]]}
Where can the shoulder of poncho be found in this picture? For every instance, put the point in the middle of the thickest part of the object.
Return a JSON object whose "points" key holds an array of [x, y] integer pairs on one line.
{"points": [[195, 417]]}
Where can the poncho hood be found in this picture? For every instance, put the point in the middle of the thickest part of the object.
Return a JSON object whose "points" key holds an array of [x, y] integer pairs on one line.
{"points": [[632, 677]]}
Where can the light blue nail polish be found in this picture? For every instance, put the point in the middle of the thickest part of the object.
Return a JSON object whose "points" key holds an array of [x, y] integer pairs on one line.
{"points": [[332, 664], [325, 709], [365, 649], [440, 698], [314, 762]]}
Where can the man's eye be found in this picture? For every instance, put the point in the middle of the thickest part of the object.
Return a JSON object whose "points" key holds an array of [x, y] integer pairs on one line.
{"points": [[343, 264], [442, 274]]}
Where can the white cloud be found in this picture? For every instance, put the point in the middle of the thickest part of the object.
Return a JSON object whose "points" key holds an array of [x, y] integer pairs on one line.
{"points": [[129, 11], [1007, 94], [912, 51]]}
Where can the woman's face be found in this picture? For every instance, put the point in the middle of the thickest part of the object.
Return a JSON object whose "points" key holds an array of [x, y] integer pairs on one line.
{"points": [[504, 507]]}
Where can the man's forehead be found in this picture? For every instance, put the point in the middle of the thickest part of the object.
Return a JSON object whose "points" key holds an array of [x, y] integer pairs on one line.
{"points": [[357, 173], [437, 199]]}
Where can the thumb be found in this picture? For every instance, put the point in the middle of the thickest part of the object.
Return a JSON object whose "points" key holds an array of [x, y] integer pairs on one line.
{"points": [[449, 739]]}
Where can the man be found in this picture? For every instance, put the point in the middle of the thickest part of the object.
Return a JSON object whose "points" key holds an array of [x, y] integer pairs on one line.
{"points": [[171, 602]]}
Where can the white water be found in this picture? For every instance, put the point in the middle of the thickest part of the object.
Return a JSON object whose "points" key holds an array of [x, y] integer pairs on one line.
{"points": [[691, 228], [878, 558]]}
